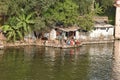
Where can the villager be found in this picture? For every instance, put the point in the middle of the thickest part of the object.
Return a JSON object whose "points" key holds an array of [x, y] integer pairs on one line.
{"points": [[44, 42], [72, 42], [60, 39], [68, 42], [77, 42]]}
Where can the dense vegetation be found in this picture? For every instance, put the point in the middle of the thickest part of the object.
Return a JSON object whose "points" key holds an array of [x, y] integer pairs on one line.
{"points": [[20, 17]]}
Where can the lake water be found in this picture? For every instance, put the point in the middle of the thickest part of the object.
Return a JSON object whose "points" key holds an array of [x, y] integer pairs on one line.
{"points": [[89, 62]]}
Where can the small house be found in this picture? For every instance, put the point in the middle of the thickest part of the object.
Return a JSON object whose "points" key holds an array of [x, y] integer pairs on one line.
{"points": [[101, 30], [68, 33]]}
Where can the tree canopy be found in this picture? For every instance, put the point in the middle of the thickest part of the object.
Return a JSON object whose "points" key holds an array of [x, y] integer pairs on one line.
{"points": [[49, 13], [63, 12]]}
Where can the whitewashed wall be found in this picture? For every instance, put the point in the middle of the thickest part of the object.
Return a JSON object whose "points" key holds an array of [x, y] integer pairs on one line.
{"points": [[53, 34], [77, 35], [97, 33]]}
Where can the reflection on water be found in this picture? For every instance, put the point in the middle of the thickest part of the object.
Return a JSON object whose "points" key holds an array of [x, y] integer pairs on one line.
{"points": [[89, 62], [1, 54], [101, 62]]}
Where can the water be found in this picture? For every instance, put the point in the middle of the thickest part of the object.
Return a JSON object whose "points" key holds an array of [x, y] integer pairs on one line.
{"points": [[89, 62]]}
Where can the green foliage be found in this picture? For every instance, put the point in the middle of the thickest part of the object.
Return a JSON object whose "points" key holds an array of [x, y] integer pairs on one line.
{"points": [[11, 21], [84, 6], [86, 22], [18, 27], [3, 8], [24, 22], [108, 9], [105, 4], [15, 6], [39, 24], [51, 12], [65, 12], [12, 32], [97, 9]]}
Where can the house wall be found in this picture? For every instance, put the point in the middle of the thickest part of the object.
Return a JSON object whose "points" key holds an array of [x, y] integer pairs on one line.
{"points": [[102, 33], [53, 34], [98, 34]]}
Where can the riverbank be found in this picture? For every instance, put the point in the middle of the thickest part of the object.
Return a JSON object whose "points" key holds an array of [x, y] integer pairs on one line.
{"points": [[55, 45], [97, 42]]}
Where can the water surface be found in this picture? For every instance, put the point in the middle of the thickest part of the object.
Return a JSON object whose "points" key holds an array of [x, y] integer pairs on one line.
{"points": [[89, 62]]}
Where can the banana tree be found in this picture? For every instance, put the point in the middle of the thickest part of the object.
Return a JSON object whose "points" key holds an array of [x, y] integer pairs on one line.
{"points": [[24, 23], [12, 32]]}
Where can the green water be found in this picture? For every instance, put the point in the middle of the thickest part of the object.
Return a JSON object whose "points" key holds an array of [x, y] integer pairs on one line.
{"points": [[90, 62]]}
